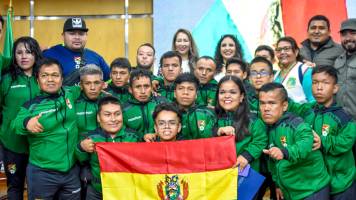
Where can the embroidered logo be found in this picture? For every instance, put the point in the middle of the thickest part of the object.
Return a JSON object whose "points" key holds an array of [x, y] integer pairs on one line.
{"points": [[77, 23], [77, 60], [325, 130], [11, 168], [291, 83], [201, 125], [69, 104], [283, 141]]}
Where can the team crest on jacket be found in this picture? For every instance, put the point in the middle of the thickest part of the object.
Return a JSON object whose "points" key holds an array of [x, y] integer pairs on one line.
{"points": [[201, 125], [69, 104], [291, 83], [284, 141], [77, 60], [171, 189], [325, 130], [11, 168]]}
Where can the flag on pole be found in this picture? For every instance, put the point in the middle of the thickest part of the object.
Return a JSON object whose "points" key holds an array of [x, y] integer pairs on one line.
{"points": [[182, 170], [9, 38]]}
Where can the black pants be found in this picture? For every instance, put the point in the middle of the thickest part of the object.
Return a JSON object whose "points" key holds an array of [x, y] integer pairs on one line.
{"points": [[15, 169], [46, 184], [349, 194], [323, 194], [92, 194]]}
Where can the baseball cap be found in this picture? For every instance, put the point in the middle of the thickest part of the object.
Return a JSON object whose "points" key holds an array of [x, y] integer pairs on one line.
{"points": [[75, 23], [349, 24]]}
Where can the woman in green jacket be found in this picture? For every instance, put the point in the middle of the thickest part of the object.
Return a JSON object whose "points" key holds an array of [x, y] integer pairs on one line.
{"points": [[234, 118], [17, 87]]}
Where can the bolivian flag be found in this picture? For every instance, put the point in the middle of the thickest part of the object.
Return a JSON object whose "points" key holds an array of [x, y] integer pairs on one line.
{"points": [[191, 169]]}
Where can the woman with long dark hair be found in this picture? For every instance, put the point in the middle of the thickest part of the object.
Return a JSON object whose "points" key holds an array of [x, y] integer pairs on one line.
{"points": [[234, 118], [228, 47], [17, 87]]}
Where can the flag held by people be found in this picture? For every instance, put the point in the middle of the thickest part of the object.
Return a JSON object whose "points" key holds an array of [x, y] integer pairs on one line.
{"points": [[182, 170], [9, 38]]}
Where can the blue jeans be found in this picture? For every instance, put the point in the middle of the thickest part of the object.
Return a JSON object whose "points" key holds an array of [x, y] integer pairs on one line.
{"points": [[45, 184]]}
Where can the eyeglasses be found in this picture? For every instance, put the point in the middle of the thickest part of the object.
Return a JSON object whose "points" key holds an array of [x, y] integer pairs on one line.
{"points": [[170, 123], [261, 73], [280, 49]]}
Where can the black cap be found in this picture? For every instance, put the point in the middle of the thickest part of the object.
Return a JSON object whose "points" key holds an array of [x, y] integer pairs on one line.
{"points": [[75, 23]]}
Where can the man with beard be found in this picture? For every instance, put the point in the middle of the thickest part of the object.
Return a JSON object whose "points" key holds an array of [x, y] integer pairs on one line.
{"points": [[145, 56], [346, 66], [319, 48]]}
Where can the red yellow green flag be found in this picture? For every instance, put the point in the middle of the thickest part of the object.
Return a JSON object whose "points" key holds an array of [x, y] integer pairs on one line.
{"points": [[182, 170]]}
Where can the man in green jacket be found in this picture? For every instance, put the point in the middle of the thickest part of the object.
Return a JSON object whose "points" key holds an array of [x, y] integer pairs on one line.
{"points": [[110, 118], [49, 122], [139, 108], [204, 71], [299, 172], [91, 83], [197, 120], [171, 67], [120, 70], [335, 133]]}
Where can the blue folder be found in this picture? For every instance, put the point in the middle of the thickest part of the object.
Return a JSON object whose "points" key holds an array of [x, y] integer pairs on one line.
{"points": [[249, 182]]}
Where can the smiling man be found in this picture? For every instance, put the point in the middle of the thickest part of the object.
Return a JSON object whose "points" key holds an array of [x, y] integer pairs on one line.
{"points": [[320, 48], [167, 122], [73, 54]]}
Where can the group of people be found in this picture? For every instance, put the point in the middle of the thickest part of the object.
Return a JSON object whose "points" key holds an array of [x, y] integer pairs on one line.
{"points": [[292, 119]]}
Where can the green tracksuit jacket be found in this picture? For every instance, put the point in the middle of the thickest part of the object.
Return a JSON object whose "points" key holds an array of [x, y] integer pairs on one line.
{"points": [[206, 94], [252, 145], [52, 149], [166, 91], [197, 122], [86, 111], [302, 171], [138, 115], [337, 132], [14, 93], [5, 63], [99, 135], [122, 93]]}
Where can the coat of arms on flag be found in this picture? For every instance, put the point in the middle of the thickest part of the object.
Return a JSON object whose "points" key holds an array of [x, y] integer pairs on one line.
{"points": [[182, 170]]}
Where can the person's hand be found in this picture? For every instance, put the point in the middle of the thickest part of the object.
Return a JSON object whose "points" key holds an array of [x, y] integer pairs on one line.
{"points": [[33, 125], [279, 194], [309, 63], [87, 145], [155, 85], [149, 137], [317, 141], [227, 130], [274, 153], [241, 162]]}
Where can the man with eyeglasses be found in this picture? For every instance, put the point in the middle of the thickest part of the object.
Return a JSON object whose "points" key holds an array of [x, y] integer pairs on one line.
{"points": [[170, 64], [73, 54], [49, 122], [167, 120]]}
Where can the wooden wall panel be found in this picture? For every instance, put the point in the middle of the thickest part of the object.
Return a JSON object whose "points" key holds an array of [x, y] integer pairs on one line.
{"points": [[140, 31]]}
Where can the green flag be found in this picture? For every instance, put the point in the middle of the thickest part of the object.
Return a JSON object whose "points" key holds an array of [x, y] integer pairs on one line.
{"points": [[9, 38]]}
